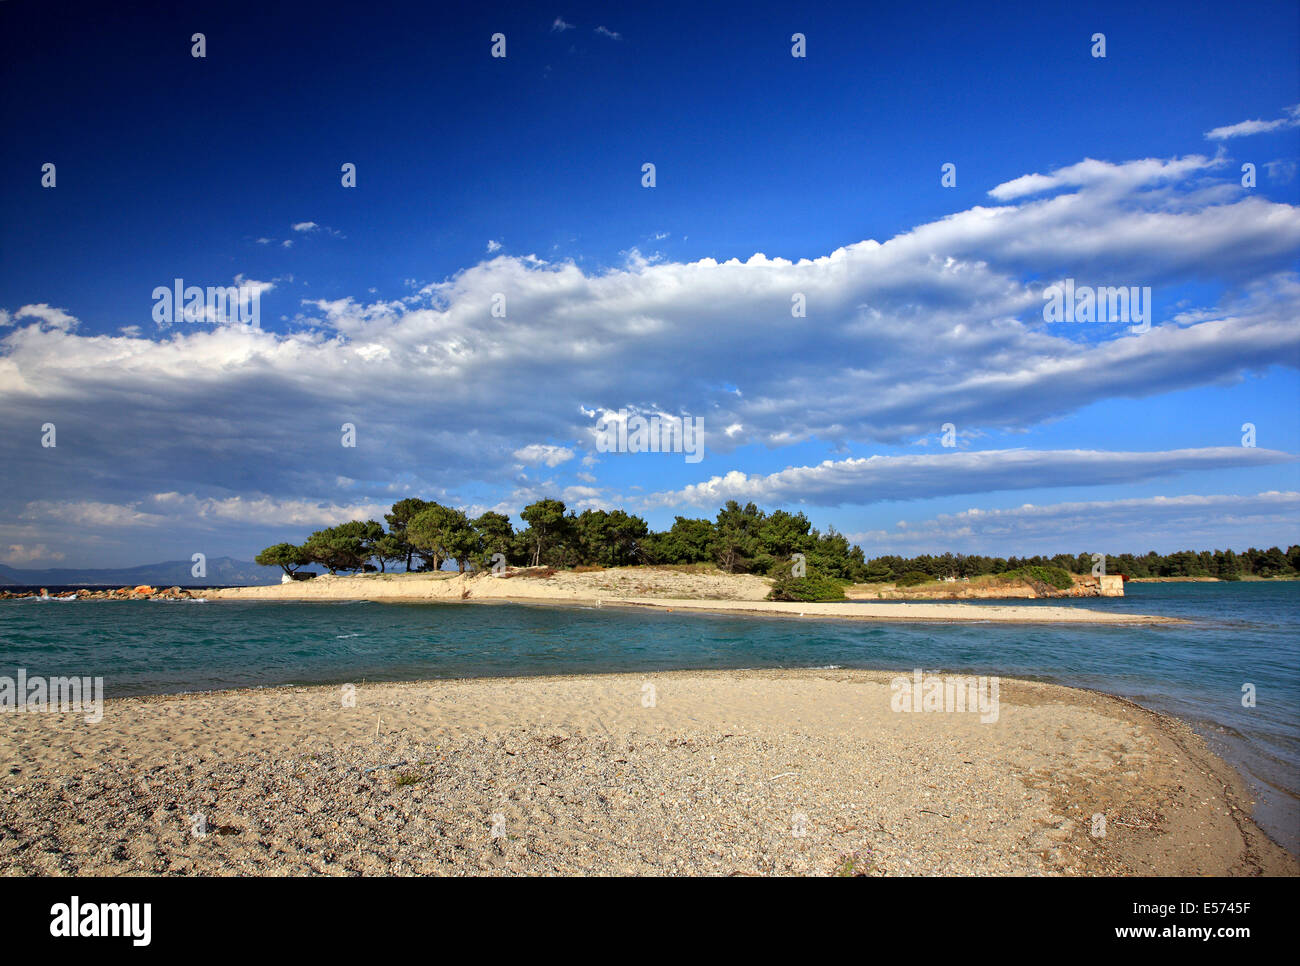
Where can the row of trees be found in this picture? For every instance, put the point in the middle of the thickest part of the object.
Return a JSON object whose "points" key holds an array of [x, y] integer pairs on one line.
{"points": [[1224, 564], [425, 535]]}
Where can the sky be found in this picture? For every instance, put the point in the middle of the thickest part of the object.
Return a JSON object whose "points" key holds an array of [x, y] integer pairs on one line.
{"points": [[499, 281]]}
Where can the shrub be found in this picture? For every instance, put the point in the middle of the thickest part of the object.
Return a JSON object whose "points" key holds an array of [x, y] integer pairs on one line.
{"points": [[1051, 576], [809, 589], [912, 578]]}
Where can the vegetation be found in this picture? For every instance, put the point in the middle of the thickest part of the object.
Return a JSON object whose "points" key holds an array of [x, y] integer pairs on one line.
{"points": [[808, 589], [1224, 564], [285, 556], [1057, 577], [914, 577], [425, 535]]}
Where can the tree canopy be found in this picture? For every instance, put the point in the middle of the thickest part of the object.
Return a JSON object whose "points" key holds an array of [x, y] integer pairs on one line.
{"points": [[426, 535]]}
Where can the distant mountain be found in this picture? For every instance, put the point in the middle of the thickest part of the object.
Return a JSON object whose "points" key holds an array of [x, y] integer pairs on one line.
{"points": [[220, 571]]}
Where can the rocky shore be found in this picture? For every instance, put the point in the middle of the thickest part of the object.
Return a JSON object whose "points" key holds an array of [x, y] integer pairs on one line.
{"points": [[142, 592]]}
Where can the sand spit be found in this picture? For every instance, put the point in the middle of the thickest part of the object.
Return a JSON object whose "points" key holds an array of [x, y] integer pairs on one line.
{"points": [[653, 587], [718, 773]]}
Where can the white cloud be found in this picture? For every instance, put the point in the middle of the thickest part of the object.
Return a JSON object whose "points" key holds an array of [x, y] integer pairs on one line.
{"points": [[941, 323], [1103, 175], [266, 511], [306, 226], [1247, 128], [493, 246], [169, 509], [537, 453], [874, 479], [606, 32], [89, 513], [1101, 526], [559, 26], [47, 317], [18, 554], [1281, 171]]}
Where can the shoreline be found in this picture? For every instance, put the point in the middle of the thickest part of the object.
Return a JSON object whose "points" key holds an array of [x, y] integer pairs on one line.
{"points": [[741, 595], [587, 777]]}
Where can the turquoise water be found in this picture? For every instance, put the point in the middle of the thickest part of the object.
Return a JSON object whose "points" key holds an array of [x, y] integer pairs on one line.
{"points": [[1245, 632]]}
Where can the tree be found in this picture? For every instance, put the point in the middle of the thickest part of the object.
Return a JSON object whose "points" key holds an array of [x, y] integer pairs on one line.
{"points": [[1229, 566], [398, 518], [442, 533], [736, 536], [689, 541], [345, 547], [286, 556], [783, 534], [545, 520], [389, 547], [612, 538], [495, 536], [832, 554]]}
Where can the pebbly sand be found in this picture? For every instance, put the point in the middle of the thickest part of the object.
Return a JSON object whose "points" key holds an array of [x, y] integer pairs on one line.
{"points": [[656, 587], [717, 773]]}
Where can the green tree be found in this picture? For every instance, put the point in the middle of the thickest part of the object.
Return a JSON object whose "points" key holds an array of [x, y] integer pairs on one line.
{"points": [[783, 534], [611, 538], [495, 535], [345, 547], [287, 556], [546, 525], [441, 533], [736, 540], [398, 517], [689, 541], [1229, 566], [389, 548]]}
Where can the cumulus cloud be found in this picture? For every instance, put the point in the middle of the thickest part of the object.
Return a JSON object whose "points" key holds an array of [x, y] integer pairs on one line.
{"points": [[47, 317], [941, 323], [306, 226], [1247, 128], [559, 26], [611, 34], [538, 453]]}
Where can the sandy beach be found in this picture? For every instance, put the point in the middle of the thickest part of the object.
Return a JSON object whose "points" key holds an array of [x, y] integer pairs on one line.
{"points": [[718, 773], [657, 587]]}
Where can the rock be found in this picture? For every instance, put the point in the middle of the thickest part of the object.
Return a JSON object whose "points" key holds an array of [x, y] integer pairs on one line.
{"points": [[143, 589]]}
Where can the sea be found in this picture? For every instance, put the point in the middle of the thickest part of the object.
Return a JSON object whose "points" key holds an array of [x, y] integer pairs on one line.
{"points": [[1232, 673]]}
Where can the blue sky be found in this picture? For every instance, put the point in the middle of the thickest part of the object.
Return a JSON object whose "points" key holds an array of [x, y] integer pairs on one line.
{"points": [[522, 176]]}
